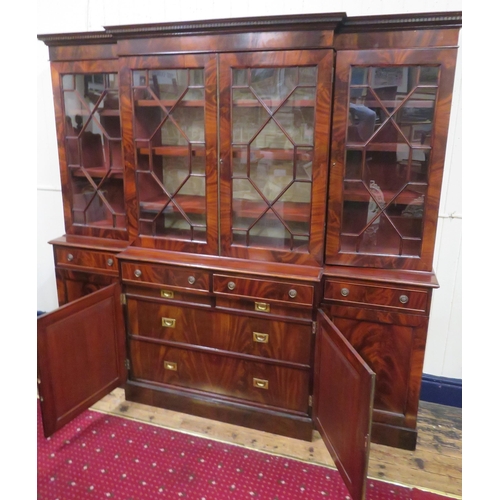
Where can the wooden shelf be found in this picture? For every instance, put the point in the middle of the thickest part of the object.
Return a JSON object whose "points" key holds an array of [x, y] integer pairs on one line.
{"points": [[97, 172], [196, 150], [190, 204], [253, 103], [360, 194], [168, 103], [292, 211]]}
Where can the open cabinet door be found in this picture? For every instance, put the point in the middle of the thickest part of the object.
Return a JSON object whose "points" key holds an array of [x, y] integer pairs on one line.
{"points": [[343, 402], [81, 355]]}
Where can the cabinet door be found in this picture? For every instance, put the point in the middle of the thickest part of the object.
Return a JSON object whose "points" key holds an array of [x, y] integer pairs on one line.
{"points": [[342, 406], [171, 103], [81, 355], [391, 117], [274, 121], [90, 147]]}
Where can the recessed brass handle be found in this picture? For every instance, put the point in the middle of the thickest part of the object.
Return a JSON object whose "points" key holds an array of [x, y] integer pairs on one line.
{"points": [[170, 365], [262, 338], [70, 257], [168, 322], [344, 292], [260, 383], [191, 280], [262, 307], [231, 285], [403, 299], [167, 294], [292, 293], [137, 273], [110, 262]]}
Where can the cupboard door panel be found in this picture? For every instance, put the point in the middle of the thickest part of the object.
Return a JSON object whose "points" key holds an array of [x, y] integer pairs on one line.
{"points": [[274, 123], [343, 403], [81, 355]]}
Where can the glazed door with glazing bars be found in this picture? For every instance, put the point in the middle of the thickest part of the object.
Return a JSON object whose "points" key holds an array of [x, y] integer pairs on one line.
{"points": [[90, 138], [173, 147], [390, 123], [274, 121]]}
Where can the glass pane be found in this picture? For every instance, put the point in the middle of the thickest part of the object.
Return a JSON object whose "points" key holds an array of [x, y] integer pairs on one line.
{"points": [[389, 141], [170, 137], [93, 148], [273, 156]]}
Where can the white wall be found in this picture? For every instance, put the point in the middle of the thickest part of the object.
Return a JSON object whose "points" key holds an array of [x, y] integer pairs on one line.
{"points": [[444, 353]]}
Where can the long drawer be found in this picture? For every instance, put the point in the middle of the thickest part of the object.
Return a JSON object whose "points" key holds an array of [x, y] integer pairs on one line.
{"points": [[281, 340], [399, 298], [233, 378], [86, 260]]}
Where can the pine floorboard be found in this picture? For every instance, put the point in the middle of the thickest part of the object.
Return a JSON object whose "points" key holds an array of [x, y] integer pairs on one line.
{"points": [[435, 465]]}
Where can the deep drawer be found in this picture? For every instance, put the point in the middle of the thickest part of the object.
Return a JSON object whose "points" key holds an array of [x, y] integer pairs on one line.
{"points": [[172, 277], [233, 378], [84, 259], [291, 293], [377, 295], [278, 340]]}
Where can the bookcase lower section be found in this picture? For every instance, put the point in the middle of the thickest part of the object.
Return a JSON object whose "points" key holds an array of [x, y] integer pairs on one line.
{"points": [[208, 406]]}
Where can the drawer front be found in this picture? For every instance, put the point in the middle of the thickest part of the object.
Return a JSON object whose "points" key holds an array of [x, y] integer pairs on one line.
{"points": [[377, 295], [253, 336], [288, 292], [262, 383], [79, 258], [168, 276], [167, 294], [263, 308]]}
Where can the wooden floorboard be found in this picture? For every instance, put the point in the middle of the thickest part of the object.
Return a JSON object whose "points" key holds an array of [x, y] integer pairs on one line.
{"points": [[435, 465]]}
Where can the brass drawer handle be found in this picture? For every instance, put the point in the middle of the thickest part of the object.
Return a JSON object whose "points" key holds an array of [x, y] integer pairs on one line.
{"points": [[167, 294], [292, 293], [344, 292], [170, 365], [262, 338], [260, 383], [70, 257], [231, 285], [168, 322], [403, 299], [262, 307], [137, 273], [110, 262], [191, 280]]}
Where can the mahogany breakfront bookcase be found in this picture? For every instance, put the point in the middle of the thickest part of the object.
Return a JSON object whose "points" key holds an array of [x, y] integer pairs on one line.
{"points": [[250, 209]]}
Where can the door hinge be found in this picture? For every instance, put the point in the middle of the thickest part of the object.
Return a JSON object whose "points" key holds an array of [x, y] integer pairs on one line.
{"points": [[123, 299], [310, 401], [127, 364], [314, 326]]}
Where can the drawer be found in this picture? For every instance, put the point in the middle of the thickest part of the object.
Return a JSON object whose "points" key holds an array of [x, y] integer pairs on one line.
{"points": [[296, 294], [400, 298], [228, 377], [279, 340], [167, 294], [171, 277], [84, 259]]}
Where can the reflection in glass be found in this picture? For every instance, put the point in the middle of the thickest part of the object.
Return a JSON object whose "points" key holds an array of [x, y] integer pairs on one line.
{"points": [[388, 145], [93, 148], [273, 117]]}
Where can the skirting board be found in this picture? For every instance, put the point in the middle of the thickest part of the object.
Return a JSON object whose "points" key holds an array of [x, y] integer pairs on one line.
{"points": [[441, 390]]}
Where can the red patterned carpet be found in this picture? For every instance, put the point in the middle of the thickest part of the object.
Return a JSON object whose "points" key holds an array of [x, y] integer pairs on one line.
{"points": [[100, 456]]}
